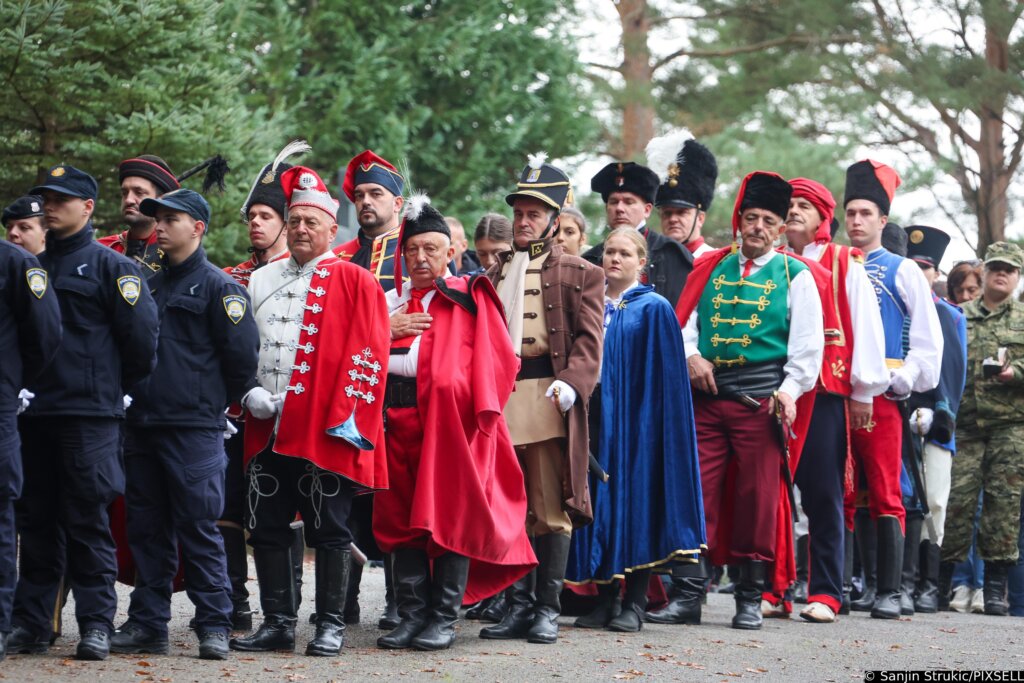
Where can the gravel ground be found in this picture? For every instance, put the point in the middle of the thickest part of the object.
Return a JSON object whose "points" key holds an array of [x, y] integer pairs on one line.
{"points": [[794, 650]]}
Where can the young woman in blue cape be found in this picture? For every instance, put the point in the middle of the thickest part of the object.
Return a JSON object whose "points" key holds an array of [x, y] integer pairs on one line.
{"points": [[649, 512]]}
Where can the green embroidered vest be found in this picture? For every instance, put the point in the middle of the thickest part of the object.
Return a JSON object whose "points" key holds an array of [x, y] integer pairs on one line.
{"points": [[745, 321]]}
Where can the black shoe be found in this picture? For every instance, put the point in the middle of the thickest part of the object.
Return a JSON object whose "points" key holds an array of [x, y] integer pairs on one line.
{"points": [[497, 610], [685, 597], [631, 618], [21, 642], [867, 547], [135, 639], [332, 574], [609, 606], [475, 612], [241, 618], [994, 588], [890, 566], [410, 575], [748, 596], [519, 613], [448, 586], [274, 570], [552, 557], [390, 618], [213, 645], [94, 645]]}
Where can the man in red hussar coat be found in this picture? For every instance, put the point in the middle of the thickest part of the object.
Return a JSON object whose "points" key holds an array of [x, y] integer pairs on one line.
{"points": [[444, 399], [314, 434]]}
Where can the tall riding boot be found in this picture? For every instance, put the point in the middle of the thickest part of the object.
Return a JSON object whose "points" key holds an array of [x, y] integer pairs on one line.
{"points": [[277, 598], [687, 593], [996, 583], [389, 619], [748, 595], [355, 577], [238, 574], [844, 606], [448, 585], [890, 564], [609, 605], [476, 611], [927, 601], [800, 587], [866, 536], [410, 572], [911, 557], [298, 557], [946, 571], [519, 616], [498, 608], [333, 569], [552, 557], [631, 618]]}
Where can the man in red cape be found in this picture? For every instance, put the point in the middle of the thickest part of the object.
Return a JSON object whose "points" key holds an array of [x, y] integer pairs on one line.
{"points": [[770, 369], [446, 390], [314, 434]]}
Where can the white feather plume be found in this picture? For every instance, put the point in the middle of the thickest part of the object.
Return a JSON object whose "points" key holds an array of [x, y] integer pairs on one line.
{"points": [[414, 205], [537, 160], [662, 151], [293, 147]]}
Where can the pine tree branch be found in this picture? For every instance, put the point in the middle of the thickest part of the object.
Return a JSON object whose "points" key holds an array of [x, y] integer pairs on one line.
{"points": [[791, 39]]}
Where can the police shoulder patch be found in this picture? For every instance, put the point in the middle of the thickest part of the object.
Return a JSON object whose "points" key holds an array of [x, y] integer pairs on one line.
{"points": [[36, 281], [234, 306], [130, 287]]}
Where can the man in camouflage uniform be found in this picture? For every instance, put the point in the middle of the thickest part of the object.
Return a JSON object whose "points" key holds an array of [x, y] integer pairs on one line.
{"points": [[990, 430]]}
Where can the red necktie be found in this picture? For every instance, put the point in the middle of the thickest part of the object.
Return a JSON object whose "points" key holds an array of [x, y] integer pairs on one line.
{"points": [[415, 306], [746, 268]]}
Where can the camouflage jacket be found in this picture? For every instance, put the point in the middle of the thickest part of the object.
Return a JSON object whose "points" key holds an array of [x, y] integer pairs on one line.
{"points": [[989, 402]]}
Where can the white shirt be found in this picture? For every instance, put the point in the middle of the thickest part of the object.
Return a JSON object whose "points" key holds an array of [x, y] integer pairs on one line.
{"points": [[869, 374], [806, 344], [701, 250], [279, 291], [405, 364], [924, 359]]}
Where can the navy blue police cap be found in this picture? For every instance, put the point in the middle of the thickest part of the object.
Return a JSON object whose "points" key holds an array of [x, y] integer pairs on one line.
{"points": [[186, 201], [23, 207], [70, 181]]}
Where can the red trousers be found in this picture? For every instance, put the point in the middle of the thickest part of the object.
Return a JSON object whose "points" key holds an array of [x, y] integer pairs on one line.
{"points": [[740, 465], [877, 453]]}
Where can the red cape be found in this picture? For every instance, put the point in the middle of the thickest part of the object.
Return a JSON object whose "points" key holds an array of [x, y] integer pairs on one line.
{"points": [[468, 494], [785, 564], [351, 329], [119, 241]]}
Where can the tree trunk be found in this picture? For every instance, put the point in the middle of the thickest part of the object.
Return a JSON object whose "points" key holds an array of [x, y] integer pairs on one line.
{"points": [[992, 203], [637, 104]]}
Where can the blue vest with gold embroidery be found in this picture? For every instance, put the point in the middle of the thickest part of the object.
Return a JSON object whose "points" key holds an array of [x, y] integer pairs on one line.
{"points": [[881, 266]]}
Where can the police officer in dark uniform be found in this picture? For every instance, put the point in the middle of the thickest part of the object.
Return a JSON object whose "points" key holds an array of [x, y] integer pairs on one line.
{"points": [[71, 432], [29, 338], [174, 446]]}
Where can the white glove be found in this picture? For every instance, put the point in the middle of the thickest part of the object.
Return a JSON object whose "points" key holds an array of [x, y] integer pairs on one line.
{"points": [[229, 430], [25, 396], [127, 401], [898, 383], [566, 394], [261, 404], [921, 421]]}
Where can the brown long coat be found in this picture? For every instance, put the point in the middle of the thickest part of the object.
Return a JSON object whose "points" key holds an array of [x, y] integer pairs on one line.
{"points": [[573, 294]]}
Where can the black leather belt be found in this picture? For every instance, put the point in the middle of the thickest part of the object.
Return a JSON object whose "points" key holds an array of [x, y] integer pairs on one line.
{"points": [[400, 392], [757, 381], [536, 368]]}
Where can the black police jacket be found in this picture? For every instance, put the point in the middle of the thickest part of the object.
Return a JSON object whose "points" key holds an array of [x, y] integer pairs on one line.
{"points": [[30, 333], [208, 350], [668, 264], [109, 329]]}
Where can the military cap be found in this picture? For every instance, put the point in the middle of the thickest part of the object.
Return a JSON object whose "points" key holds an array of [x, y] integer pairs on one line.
{"points": [[687, 170], [368, 167], [926, 245], [70, 181], [266, 187], [626, 176], [540, 180], [152, 168], [186, 201], [23, 207], [874, 181], [1004, 252]]}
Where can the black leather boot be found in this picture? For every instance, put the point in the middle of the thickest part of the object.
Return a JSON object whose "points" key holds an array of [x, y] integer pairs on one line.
{"points": [[866, 536], [552, 557], [685, 597], [21, 642], [996, 580], [748, 595], [609, 605], [410, 572], [298, 553], [631, 617], [238, 574], [274, 571], [911, 556], [475, 612], [927, 600], [333, 569], [844, 606], [946, 571], [390, 618], [800, 587], [447, 586], [133, 639], [519, 615], [890, 565], [355, 577], [498, 608]]}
